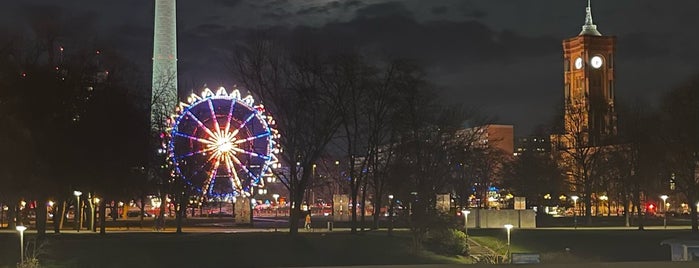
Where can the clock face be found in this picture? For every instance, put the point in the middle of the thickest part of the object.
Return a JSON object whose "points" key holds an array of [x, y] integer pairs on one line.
{"points": [[596, 62], [578, 63]]}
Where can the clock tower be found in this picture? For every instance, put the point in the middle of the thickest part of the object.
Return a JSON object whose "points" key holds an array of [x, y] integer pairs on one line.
{"points": [[589, 84]]}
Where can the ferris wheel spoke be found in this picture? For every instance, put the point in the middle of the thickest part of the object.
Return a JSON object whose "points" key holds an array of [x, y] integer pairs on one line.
{"points": [[251, 153], [231, 169], [266, 134], [230, 115], [243, 167], [208, 131], [192, 138], [195, 153], [212, 178], [235, 132], [213, 116]]}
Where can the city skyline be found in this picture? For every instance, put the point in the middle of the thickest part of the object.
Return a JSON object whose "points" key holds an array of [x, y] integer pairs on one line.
{"points": [[467, 47]]}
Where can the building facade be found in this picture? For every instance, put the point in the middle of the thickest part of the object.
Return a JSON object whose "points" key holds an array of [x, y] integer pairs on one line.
{"points": [[532, 144], [589, 87], [590, 121]]}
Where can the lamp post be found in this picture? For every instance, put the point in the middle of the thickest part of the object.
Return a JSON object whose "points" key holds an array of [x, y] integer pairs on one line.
{"points": [[390, 214], [508, 227], [664, 198], [21, 230], [604, 198], [276, 210], [77, 208], [465, 212], [575, 207], [95, 203]]}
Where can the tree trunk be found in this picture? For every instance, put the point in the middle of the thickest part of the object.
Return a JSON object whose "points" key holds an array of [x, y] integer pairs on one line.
{"points": [[56, 217], [639, 213], [103, 216], [12, 217], [353, 208], [181, 209], [377, 208], [627, 214], [160, 220], [363, 224], [693, 213], [294, 217], [41, 217], [295, 212], [143, 209], [588, 202], [63, 215]]}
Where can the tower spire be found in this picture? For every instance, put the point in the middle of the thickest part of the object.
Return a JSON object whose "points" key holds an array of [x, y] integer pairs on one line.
{"points": [[589, 28]]}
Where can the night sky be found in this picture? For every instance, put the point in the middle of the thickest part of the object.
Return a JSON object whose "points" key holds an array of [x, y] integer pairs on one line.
{"points": [[501, 56]]}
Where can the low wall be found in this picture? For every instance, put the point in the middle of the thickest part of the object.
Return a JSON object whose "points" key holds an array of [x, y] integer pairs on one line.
{"points": [[491, 218]]}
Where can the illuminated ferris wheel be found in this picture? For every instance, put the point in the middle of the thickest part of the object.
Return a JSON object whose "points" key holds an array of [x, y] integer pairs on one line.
{"points": [[222, 144]]}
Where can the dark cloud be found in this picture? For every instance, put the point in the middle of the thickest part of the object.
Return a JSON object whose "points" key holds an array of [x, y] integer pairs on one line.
{"points": [[267, 5], [383, 10], [642, 45], [229, 3], [439, 10], [208, 29], [445, 43], [470, 11], [132, 31], [343, 5], [276, 15]]}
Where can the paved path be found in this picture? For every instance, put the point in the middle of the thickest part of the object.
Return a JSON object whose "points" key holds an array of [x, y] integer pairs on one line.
{"points": [[476, 249]]}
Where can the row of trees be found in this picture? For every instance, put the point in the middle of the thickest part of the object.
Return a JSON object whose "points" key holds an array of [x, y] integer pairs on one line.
{"points": [[380, 116], [74, 116], [655, 152]]}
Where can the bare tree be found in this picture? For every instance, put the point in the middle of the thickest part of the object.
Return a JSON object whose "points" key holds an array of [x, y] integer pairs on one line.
{"points": [[533, 175], [680, 114], [425, 150], [287, 81], [578, 154]]}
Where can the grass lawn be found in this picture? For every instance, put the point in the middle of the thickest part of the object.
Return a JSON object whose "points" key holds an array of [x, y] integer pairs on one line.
{"points": [[583, 245], [222, 250]]}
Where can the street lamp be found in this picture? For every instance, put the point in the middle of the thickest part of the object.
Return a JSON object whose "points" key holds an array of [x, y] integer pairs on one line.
{"points": [[575, 207], [21, 230], [77, 218], [276, 210], [664, 198], [465, 212], [508, 227], [48, 212]]}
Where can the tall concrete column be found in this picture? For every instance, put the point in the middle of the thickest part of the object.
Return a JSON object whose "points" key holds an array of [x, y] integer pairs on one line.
{"points": [[164, 90]]}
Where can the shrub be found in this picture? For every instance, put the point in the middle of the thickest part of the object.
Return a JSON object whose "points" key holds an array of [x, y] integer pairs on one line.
{"points": [[450, 242]]}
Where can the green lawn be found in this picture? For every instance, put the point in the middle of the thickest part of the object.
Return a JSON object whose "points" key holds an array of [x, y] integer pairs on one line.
{"points": [[582, 245], [223, 250]]}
